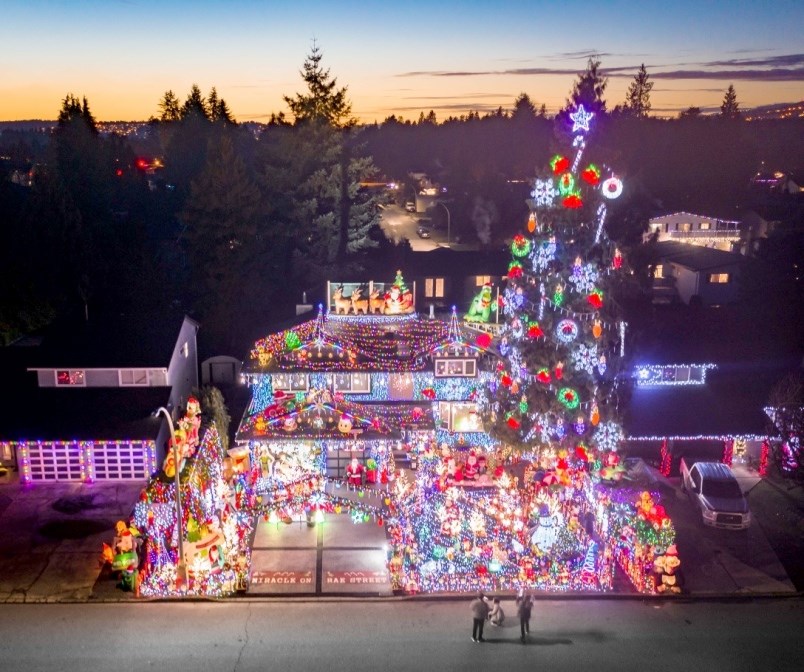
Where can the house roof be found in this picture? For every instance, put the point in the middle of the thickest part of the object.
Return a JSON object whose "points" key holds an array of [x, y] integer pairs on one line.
{"points": [[356, 343], [730, 403], [143, 340], [694, 257], [85, 414], [320, 414], [448, 262]]}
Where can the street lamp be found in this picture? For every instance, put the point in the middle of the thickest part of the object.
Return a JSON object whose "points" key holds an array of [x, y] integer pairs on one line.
{"points": [[449, 237], [181, 571]]}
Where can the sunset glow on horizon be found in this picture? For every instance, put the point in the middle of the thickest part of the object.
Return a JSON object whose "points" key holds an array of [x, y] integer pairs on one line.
{"points": [[450, 57]]}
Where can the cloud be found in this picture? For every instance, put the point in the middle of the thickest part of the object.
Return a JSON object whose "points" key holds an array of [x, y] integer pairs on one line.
{"points": [[786, 60], [773, 75]]}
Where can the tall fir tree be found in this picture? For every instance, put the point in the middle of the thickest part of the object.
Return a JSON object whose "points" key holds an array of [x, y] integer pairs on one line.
{"points": [[588, 90], [332, 213], [555, 386], [730, 108], [637, 98]]}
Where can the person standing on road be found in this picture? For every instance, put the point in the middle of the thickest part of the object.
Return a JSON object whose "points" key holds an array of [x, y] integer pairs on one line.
{"points": [[523, 607], [480, 611]]}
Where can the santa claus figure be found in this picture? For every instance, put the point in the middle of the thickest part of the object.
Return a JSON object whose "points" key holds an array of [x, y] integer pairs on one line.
{"points": [[471, 468], [354, 473]]}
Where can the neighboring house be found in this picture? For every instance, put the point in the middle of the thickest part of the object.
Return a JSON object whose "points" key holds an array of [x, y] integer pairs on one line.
{"points": [[84, 397], [683, 272], [704, 230], [715, 411], [776, 182], [446, 278]]}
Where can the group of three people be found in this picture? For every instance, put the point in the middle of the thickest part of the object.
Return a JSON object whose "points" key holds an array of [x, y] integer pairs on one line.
{"points": [[484, 609]]}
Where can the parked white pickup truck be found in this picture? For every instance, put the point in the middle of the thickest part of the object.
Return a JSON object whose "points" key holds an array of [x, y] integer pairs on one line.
{"points": [[713, 489]]}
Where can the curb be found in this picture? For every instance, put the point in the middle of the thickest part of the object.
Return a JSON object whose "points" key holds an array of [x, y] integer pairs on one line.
{"points": [[363, 598]]}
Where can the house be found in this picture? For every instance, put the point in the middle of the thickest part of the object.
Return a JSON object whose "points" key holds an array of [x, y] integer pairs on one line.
{"points": [[360, 386], [694, 273], [703, 230], [444, 277], [85, 396], [702, 409]]}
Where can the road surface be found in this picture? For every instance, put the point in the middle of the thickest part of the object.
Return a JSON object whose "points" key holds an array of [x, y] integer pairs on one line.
{"points": [[398, 225], [389, 634]]}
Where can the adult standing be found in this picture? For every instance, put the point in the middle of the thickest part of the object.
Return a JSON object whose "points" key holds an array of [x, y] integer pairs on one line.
{"points": [[523, 608], [480, 611]]}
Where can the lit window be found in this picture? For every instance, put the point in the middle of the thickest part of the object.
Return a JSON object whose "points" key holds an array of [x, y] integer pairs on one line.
{"points": [[465, 368], [659, 272], [434, 288], [705, 226], [481, 280], [718, 278], [70, 377], [354, 383], [460, 416], [185, 350], [290, 382], [133, 377], [685, 227]]}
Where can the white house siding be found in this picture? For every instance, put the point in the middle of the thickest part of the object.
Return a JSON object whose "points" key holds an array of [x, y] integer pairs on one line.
{"points": [[182, 374]]}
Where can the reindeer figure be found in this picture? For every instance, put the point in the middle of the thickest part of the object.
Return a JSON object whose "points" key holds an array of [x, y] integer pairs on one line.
{"points": [[342, 304], [376, 302], [359, 303]]}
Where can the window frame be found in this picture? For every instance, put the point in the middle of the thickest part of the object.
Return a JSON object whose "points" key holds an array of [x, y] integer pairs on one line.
{"points": [[364, 389], [468, 367], [70, 373], [290, 387], [134, 373]]}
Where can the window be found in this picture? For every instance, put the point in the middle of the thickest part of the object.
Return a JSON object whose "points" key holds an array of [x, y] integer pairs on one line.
{"points": [[400, 386], [455, 367], [705, 226], [481, 280], [133, 377], [686, 227], [185, 350], [434, 288], [460, 416], [70, 377], [659, 272], [290, 382], [353, 383], [718, 278]]}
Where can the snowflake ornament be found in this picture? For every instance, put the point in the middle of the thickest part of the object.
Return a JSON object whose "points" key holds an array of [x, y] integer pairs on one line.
{"points": [[544, 193], [584, 277], [543, 253], [585, 358], [608, 435]]}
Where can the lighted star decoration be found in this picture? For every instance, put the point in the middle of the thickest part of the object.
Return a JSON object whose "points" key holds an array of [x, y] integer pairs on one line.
{"points": [[581, 119]]}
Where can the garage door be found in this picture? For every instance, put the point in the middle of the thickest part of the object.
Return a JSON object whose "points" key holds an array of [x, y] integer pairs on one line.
{"points": [[85, 461]]}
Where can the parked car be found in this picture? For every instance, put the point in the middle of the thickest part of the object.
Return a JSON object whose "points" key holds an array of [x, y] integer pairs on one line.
{"points": [[410, 206], [424, 232], [714, 490]]}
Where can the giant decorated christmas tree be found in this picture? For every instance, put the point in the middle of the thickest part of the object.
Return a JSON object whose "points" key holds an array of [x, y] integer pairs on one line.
{"points": [[554, 391]]}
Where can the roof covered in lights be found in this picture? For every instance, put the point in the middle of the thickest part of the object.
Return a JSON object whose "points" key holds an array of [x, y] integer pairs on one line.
{"points": [[319, 414], [362, 343]]}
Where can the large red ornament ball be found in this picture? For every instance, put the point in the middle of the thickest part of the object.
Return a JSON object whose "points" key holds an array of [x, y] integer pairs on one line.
{"points": [[595, 299], [513, 423], [572, 202]]}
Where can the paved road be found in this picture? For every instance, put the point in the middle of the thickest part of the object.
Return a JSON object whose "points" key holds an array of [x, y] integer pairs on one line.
{"points": [[594, 635], [398, 225]]}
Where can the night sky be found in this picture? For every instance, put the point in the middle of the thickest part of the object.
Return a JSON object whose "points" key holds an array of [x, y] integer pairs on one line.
{"points": [[400, 58]]}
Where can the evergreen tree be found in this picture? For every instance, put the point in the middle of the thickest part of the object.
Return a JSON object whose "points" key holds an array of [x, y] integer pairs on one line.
{"points": [[588, 90], [331, 214], [169, 108], [555, 387], [729, 108], [637, 98], [323, 102], [691, 112], [195, 106], [220, 227], [524, 109]]}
